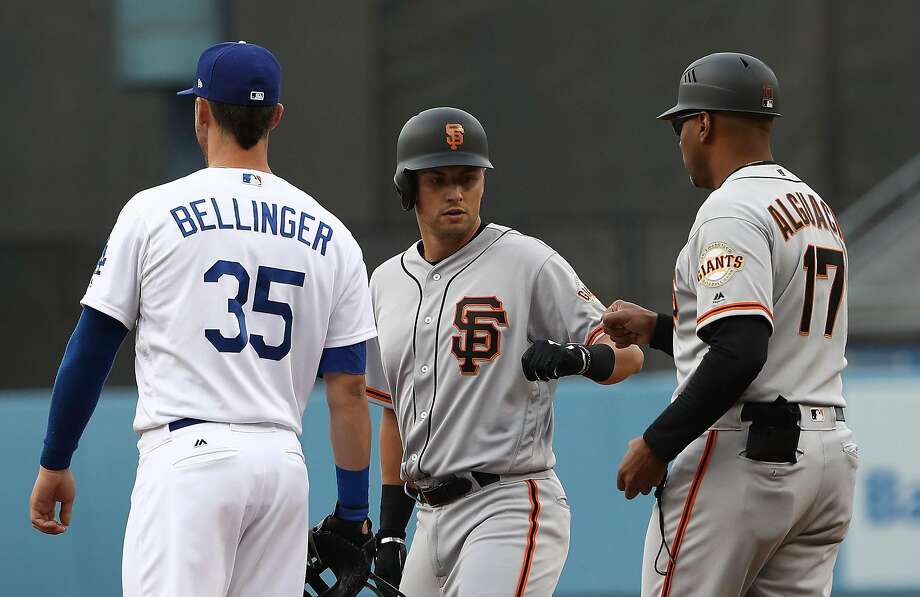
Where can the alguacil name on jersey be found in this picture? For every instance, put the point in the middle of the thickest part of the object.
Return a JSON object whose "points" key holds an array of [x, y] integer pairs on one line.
{"points": [[203, 215], [804, 213]]}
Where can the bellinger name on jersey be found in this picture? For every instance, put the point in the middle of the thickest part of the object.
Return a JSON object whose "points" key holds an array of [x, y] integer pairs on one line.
{"points": [[258, 216]]}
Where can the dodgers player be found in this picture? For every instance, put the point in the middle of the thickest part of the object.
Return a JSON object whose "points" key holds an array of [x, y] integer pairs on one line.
{"points": [[241, 288], [760, 492], [464, 426]]}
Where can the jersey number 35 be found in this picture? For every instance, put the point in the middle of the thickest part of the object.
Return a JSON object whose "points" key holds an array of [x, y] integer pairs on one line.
{"points": [[260, 304]]}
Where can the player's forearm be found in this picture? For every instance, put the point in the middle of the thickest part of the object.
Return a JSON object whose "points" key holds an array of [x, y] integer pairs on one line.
{"points": [[390, 449], [737, 353], [627, 361], [87, 361], [395, 506], [349, 420]]}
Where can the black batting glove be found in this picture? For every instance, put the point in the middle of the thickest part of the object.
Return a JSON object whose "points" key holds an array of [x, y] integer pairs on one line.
{"points": [[357, 532], [546, 360], [390, 560]]}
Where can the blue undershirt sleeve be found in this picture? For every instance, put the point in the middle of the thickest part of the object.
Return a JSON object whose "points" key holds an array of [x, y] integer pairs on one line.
{"points": [[86, 364], [344, 359]]}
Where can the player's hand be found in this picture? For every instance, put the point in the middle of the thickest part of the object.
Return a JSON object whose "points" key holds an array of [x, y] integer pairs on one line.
{"points": [[50, 488], [640, 470], [390, 560], [357, 532], [628, 323], [546, 360]]}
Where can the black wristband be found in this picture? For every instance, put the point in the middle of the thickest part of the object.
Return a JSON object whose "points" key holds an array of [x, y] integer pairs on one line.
{"points": [[395, 510], [663, 336], [601, 363]]}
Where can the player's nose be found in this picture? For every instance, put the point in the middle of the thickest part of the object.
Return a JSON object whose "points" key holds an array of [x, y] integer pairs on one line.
{"points": [[454, 193]]}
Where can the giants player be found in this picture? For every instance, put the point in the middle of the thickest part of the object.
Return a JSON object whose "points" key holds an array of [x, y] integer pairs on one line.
{"points": [[241, 288], [760, 492], [467, 430]]}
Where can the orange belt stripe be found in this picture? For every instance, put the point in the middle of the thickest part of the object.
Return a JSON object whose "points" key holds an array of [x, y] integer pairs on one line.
{"points": [[688, 509], [531, 538]]}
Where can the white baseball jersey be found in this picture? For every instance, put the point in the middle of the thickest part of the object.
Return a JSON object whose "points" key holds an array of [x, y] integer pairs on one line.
{"points": [[448, 355], [237, 281], [764, 243]]}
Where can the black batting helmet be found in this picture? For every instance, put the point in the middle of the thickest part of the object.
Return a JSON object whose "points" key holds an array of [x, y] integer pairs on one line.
{"points": [[437, 137], [727, 82]]}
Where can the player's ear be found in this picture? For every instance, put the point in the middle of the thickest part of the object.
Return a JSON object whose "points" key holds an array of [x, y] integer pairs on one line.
{"points": [[276, 119], [705, 122], [202, 112]]}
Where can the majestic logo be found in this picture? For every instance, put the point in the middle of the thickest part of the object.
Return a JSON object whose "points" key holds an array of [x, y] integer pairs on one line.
{"points": [[478, 319], [102, 259], [767, 99], [454, 135], [200, 443], [253, 179], [256, 96], [718, 298], [718, 263], [200, 84]]}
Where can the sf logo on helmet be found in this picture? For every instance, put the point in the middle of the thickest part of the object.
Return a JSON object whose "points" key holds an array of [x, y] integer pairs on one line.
{"points": [[454, 135], [478, 319]]}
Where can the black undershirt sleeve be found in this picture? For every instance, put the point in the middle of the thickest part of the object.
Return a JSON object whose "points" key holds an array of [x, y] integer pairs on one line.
{"points": [[737, 353], [663, 336]]}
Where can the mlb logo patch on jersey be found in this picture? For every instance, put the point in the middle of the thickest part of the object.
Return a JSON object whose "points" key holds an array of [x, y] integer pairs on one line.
{"points": [[253, 179], [718, 263]]}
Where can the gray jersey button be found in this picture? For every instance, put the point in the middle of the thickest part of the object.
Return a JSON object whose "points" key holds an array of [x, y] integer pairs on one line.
{"points": [[436, 277], [414, 457], [424, 414], [424, 368], [428, 320]]}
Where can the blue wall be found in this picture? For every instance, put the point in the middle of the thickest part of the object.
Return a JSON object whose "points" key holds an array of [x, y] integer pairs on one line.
{"points": [[593, 425]]}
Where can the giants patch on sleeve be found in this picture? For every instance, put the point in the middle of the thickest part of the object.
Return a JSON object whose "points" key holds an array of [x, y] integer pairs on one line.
{"points": [[718, 263]]}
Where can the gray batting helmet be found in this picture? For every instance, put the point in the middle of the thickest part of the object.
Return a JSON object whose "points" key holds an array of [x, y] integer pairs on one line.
{"points": [[437, 137], [727, 82]]}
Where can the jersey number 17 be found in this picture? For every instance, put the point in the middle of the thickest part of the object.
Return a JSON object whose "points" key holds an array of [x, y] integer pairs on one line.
{"points": [[817, 262]]}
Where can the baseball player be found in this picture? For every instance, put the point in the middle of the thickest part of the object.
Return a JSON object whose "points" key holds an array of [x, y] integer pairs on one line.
{"points": [[241, 289], [476, 323], [760, 491]]}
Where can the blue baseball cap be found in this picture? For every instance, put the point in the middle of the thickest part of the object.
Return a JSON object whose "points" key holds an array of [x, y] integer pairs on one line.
{"points": [[238, 73]]}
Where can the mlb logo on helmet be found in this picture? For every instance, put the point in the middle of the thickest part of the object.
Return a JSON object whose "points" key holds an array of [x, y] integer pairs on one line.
{"points": [[252, 179], [767, 101]]}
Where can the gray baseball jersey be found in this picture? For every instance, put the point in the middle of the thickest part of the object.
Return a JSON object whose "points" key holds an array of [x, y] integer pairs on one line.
{"points": [[763, 244], [451, 336], [766, 244]]}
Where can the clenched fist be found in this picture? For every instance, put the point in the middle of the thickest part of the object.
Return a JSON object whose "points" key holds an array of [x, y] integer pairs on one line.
{"points": [[628, 323]]}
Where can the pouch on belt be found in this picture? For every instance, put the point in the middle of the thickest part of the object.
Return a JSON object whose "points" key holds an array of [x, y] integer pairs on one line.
{"points": [[774, 432]]}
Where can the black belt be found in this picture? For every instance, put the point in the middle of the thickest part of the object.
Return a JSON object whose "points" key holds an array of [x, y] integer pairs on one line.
{"points": [[181, 423], [453, 489], [752, 410]]}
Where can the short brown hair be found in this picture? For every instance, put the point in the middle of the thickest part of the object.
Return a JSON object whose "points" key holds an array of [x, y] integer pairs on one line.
{"points": [[248, 125]]}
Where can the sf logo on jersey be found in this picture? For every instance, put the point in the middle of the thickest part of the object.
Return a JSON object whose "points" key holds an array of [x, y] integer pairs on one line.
{"points": [[478, 318]]}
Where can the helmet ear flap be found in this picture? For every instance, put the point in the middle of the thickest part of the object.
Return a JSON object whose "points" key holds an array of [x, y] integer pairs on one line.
{"points": [[406, 188]]}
